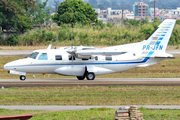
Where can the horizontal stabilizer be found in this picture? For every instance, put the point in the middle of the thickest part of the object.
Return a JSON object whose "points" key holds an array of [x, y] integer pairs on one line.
{"points": [[159, 55]]}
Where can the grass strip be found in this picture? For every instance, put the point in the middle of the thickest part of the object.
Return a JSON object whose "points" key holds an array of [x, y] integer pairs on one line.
{"points": [[99, 95], [91, 114]]}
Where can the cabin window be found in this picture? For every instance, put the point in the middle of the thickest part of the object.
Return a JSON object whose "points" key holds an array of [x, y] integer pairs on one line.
{"points": [[108, 58], [71, 57], [85, 59], [33, 55], [58, 57], [96, 58], [43, 56]]}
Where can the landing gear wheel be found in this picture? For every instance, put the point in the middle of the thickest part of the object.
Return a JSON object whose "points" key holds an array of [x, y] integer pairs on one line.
{"points": [[80, 77], [22, 77], [90, 76]]}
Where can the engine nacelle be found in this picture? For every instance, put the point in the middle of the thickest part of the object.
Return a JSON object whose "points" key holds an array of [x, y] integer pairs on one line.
{"points": [[16, 72], [71, 70]]}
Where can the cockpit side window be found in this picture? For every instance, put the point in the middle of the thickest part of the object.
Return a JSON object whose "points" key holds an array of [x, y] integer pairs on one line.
{"points": [[96, 58], [33, 55], [43, 56]]}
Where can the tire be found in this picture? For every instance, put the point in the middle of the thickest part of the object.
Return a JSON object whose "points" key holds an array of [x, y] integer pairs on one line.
{"points": [[22, 77], [90, 76], [80, 77]]}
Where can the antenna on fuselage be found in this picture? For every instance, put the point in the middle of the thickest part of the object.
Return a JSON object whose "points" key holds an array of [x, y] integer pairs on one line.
{"points": [[71, 40], [56, 40], [49, 47]]}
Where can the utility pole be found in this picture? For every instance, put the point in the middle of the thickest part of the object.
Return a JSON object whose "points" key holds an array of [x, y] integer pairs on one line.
{"points": [[122, 17], [154, 9], [56, 6]]}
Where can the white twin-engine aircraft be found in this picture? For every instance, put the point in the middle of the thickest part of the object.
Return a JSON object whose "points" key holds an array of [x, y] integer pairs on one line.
{"points": [[88, 62]]}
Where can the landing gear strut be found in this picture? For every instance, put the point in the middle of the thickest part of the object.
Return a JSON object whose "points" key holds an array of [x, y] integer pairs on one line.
{"points": [[22, 77]]}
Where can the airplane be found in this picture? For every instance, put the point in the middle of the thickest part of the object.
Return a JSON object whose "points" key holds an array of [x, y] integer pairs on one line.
{"points": [[87, 62]]}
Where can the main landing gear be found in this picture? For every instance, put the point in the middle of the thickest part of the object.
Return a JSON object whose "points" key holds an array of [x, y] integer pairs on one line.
{"points": [[88, 75], [22, 77]]}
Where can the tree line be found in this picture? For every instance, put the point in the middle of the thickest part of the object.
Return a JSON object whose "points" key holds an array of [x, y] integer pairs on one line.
{"points": [[128, 4]]}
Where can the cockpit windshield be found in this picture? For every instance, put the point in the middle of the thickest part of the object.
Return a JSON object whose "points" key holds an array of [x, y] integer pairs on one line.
{"points": [[33, 55]]}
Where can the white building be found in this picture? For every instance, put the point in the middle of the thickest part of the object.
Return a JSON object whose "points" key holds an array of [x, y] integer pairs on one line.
{"points": [[114, 16], [128, 16]]}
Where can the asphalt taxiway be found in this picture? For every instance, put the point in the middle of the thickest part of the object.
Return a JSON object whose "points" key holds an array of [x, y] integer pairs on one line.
{"points": [[28, 52], [97, 82], [54, 107]]}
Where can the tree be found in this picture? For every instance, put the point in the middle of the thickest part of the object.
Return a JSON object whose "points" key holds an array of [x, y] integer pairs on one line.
{"points": [[39, 14], [73, 11], [13, 15]]}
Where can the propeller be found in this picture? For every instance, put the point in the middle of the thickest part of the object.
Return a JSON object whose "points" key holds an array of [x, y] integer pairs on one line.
{"points": [[72, 50]]}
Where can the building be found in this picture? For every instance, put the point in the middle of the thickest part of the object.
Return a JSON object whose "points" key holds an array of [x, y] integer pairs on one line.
{"points": [[113, 16], [156, 10], [141, 10], [128, 16], [169, 14]]}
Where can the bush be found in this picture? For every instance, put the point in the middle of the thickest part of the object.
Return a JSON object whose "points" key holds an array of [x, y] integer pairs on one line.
{"points": [[156, 23], [127, 36], [83, 36], [103, 36], [101, 24], [50, 36], [146, 30], [130, 22], [174, 40], [178, 22], [63, 35], [12, 40], [117, 37], [145, 21], [109, 24]]}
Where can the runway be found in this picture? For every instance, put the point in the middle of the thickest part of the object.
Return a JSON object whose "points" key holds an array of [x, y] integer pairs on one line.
{"points": [[97, 82]]}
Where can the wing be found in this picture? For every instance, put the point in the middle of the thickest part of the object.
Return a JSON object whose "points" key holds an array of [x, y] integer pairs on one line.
{"points": [[91, 52]]}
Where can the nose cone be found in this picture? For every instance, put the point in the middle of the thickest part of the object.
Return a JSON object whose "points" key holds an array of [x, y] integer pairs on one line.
{"points": [[6, 66], [10, 65]]}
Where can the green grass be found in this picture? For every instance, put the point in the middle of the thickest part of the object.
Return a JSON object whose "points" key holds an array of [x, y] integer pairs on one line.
{"points": [[100, 95], [92, 114]]}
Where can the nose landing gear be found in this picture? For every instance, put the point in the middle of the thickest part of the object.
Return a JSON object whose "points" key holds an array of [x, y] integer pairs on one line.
{"points": [[22, 77]]}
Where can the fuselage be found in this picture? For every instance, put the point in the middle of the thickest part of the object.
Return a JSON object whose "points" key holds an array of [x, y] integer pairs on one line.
{"points": [[58, 61]]}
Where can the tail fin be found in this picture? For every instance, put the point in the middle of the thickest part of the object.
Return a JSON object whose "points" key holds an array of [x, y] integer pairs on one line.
{"points": [[159, 38]]}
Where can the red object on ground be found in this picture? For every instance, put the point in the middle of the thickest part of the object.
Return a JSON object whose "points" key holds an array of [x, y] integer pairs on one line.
{"points": [[22, 117]]}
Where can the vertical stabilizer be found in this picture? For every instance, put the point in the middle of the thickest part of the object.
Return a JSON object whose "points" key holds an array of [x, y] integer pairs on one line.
{"points": [[159, 38]]}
